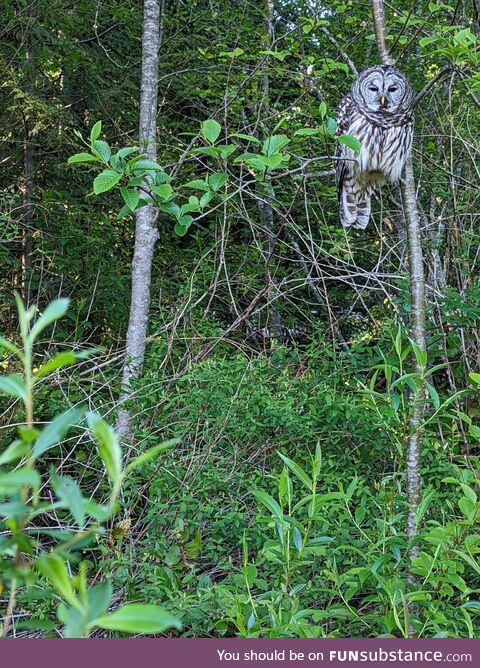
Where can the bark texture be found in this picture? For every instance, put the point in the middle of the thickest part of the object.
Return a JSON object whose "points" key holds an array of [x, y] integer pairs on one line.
{"points": [[146, 233], [417, 318]]}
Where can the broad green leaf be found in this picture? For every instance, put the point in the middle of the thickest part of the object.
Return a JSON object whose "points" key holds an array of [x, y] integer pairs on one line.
{"points": [[124, 152], [196, 184], [274, 144], [297, 539], [322, 109], [298, 471], [15, 450], [99, 598], [351, 142], [54, 432], [433, 395], [105, 181], [180, 230], [164, 190], [23, 477], [331, 126], [130, 197], [7, 345], [14, 386], [103, 149], [206, 198], [95, 131], [82, 157], [146, 166], [474, 431], [251, 138], [185, 221], [307, 132], [60, 361], [70, 494], [475, 377], [108, 446], [217, 180], [137, 618], [269, 503], [54, 311], [54, 569], [211, 130], [151, 453]]}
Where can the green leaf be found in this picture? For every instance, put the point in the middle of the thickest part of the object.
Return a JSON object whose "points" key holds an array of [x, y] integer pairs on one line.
{"points": [[180, 230], [269, 503], [70, 494], [7, 345], [251, 138], [54, 569], [23, 477], [211, 130], [103, 149], [54, 311], [54, 432], [297, 540], [196, 184], [164, 190], [136, 618], [130, 197], [217, 180], [99, 598], [433, 395], [206, 198], [274, 144], [95, 131], [60, 361], [150, 454], [15, 450], [474, 431], [331, 126], [306, 132], [146, 166], [13, 386], [82, 157], [108, 446], [475, 377], [351, 142], [322, 109], [124, 152], [185, 221], [105, 181], [297, 470]]}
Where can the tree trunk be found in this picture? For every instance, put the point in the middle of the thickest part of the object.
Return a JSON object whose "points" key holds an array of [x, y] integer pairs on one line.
{"points": [[264, 203], [146, 232], [417, 316]]}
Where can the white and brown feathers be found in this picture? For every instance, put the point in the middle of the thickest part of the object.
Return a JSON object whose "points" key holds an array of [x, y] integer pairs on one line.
{"points": [[378, 112]]}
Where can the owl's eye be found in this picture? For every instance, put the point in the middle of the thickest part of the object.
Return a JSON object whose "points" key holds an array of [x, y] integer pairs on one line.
{"points": [[373, 89], [392, 89]]}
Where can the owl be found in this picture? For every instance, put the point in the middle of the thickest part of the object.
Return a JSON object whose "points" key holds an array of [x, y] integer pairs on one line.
{"points": [[378, 112]]}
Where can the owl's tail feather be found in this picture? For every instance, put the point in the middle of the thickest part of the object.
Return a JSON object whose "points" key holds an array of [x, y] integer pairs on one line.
{"points": [[354, 207]]}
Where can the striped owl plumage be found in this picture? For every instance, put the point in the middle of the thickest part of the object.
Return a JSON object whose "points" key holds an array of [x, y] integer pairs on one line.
{"points": [[378, 112]]}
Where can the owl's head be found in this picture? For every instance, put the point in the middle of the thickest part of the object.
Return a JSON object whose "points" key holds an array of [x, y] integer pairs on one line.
{"points": [[382, 89]]}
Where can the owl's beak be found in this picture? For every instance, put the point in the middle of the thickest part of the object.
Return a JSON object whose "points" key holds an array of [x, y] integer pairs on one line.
{"points": [[382, 101]]}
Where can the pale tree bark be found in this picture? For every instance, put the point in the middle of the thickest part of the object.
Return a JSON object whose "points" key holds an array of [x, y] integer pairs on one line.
{"points": [[146, 232], [417, 314], [28, 177], [264, 202]]}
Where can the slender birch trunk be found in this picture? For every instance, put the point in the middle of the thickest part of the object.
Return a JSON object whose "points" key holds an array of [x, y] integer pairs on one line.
{"points": [[417, 313], [146, 232], [264, 202]]}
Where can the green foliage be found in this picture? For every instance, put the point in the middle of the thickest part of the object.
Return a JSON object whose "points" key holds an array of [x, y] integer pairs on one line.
{"points": [[21, 555]]}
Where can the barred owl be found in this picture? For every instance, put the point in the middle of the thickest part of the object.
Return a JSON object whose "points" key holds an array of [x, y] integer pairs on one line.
{"points": [[378, 112]]}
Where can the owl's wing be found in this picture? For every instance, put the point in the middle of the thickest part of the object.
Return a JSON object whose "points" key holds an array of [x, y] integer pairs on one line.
{"points": [[344, 115]]}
